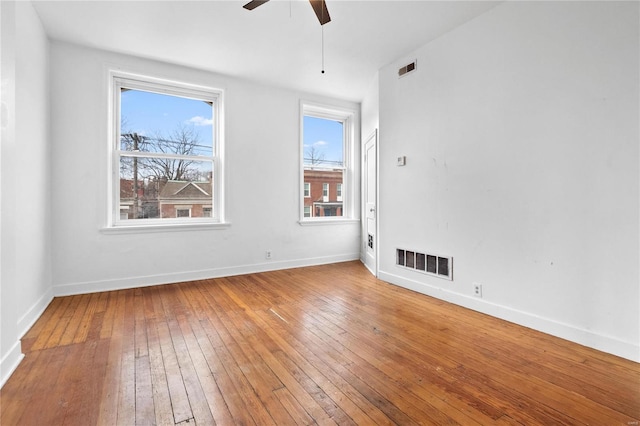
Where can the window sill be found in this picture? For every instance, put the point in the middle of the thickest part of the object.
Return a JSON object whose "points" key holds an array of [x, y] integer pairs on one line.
{"points": [[170, 227], [315, 222]]}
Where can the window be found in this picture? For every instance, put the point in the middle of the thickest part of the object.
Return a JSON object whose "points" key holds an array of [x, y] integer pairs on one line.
{"points": [[327, 163], [183, 212], [166, 152]]}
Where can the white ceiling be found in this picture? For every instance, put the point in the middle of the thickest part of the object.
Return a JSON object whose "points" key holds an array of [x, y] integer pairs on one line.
{"points": [[279, 43]]}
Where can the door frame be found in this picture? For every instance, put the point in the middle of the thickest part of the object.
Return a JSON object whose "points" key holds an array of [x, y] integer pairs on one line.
{"points": [[373, 138]]}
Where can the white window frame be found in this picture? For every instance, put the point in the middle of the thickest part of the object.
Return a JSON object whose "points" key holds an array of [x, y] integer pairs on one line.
{"points": [[307, 190], [120, 79], [325, 192], [348, 119], [339, 192]]}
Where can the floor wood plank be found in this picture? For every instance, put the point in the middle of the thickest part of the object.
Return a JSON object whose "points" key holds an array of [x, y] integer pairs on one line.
{"points": [[319, 345]]}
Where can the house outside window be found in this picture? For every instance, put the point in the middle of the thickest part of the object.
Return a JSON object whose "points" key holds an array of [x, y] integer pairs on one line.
{"points": [[161, 163], [327, 163]]}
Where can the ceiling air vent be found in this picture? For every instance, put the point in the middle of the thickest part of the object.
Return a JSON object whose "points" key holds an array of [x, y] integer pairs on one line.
{"points": [[407, 69]]}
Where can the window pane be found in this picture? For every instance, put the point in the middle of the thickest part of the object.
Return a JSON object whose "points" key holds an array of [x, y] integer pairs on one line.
{"points": [[323, 142], [154, 193], [154, 122], [321, 202]]}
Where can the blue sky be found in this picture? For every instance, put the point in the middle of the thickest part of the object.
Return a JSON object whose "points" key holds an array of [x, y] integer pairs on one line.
{"points": [[150, 114], [326, 136]]}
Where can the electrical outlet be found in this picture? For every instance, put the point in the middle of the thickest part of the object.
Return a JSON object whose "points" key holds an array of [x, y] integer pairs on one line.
{"points": [[267, 254], [477, 290]]}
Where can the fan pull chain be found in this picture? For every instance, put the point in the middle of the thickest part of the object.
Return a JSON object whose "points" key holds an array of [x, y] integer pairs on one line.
{"points": [[322, 26]]}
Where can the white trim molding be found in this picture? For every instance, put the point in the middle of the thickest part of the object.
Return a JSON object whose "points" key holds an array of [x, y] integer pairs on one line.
{"points": [[151, 280], [609, 344], [10, 362]]}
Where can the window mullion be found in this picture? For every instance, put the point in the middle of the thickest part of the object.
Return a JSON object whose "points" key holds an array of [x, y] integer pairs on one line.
{"points": [[145, 154]]}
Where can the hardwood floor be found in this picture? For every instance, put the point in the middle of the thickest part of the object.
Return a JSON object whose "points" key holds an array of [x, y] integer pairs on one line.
{"points": [[319, 345]]}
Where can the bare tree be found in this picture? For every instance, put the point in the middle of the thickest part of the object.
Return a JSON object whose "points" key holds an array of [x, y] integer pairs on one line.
{"points": [[184, 140], [314, 156]]}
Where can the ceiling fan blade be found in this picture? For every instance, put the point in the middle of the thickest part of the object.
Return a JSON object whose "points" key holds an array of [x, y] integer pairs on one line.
{"points": [[254, 3], [320, 8]]}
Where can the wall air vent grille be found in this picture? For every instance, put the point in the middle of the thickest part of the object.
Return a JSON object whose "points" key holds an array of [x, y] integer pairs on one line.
{"points": [[407, 69], [431, 264]]}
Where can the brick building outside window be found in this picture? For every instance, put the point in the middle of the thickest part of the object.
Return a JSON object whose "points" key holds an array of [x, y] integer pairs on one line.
{"points": [[325, 189]]}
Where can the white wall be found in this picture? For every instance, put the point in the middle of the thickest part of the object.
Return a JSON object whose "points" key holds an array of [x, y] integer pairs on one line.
{"points": [[521, 135], [370, 107], [263, 189], [25, 278]]}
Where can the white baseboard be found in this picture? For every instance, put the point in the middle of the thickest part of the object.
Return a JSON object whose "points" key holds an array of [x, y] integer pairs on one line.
{"points": [[26, 321], [13, 358], [628, 350], [149, 280], [10, 362]]}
